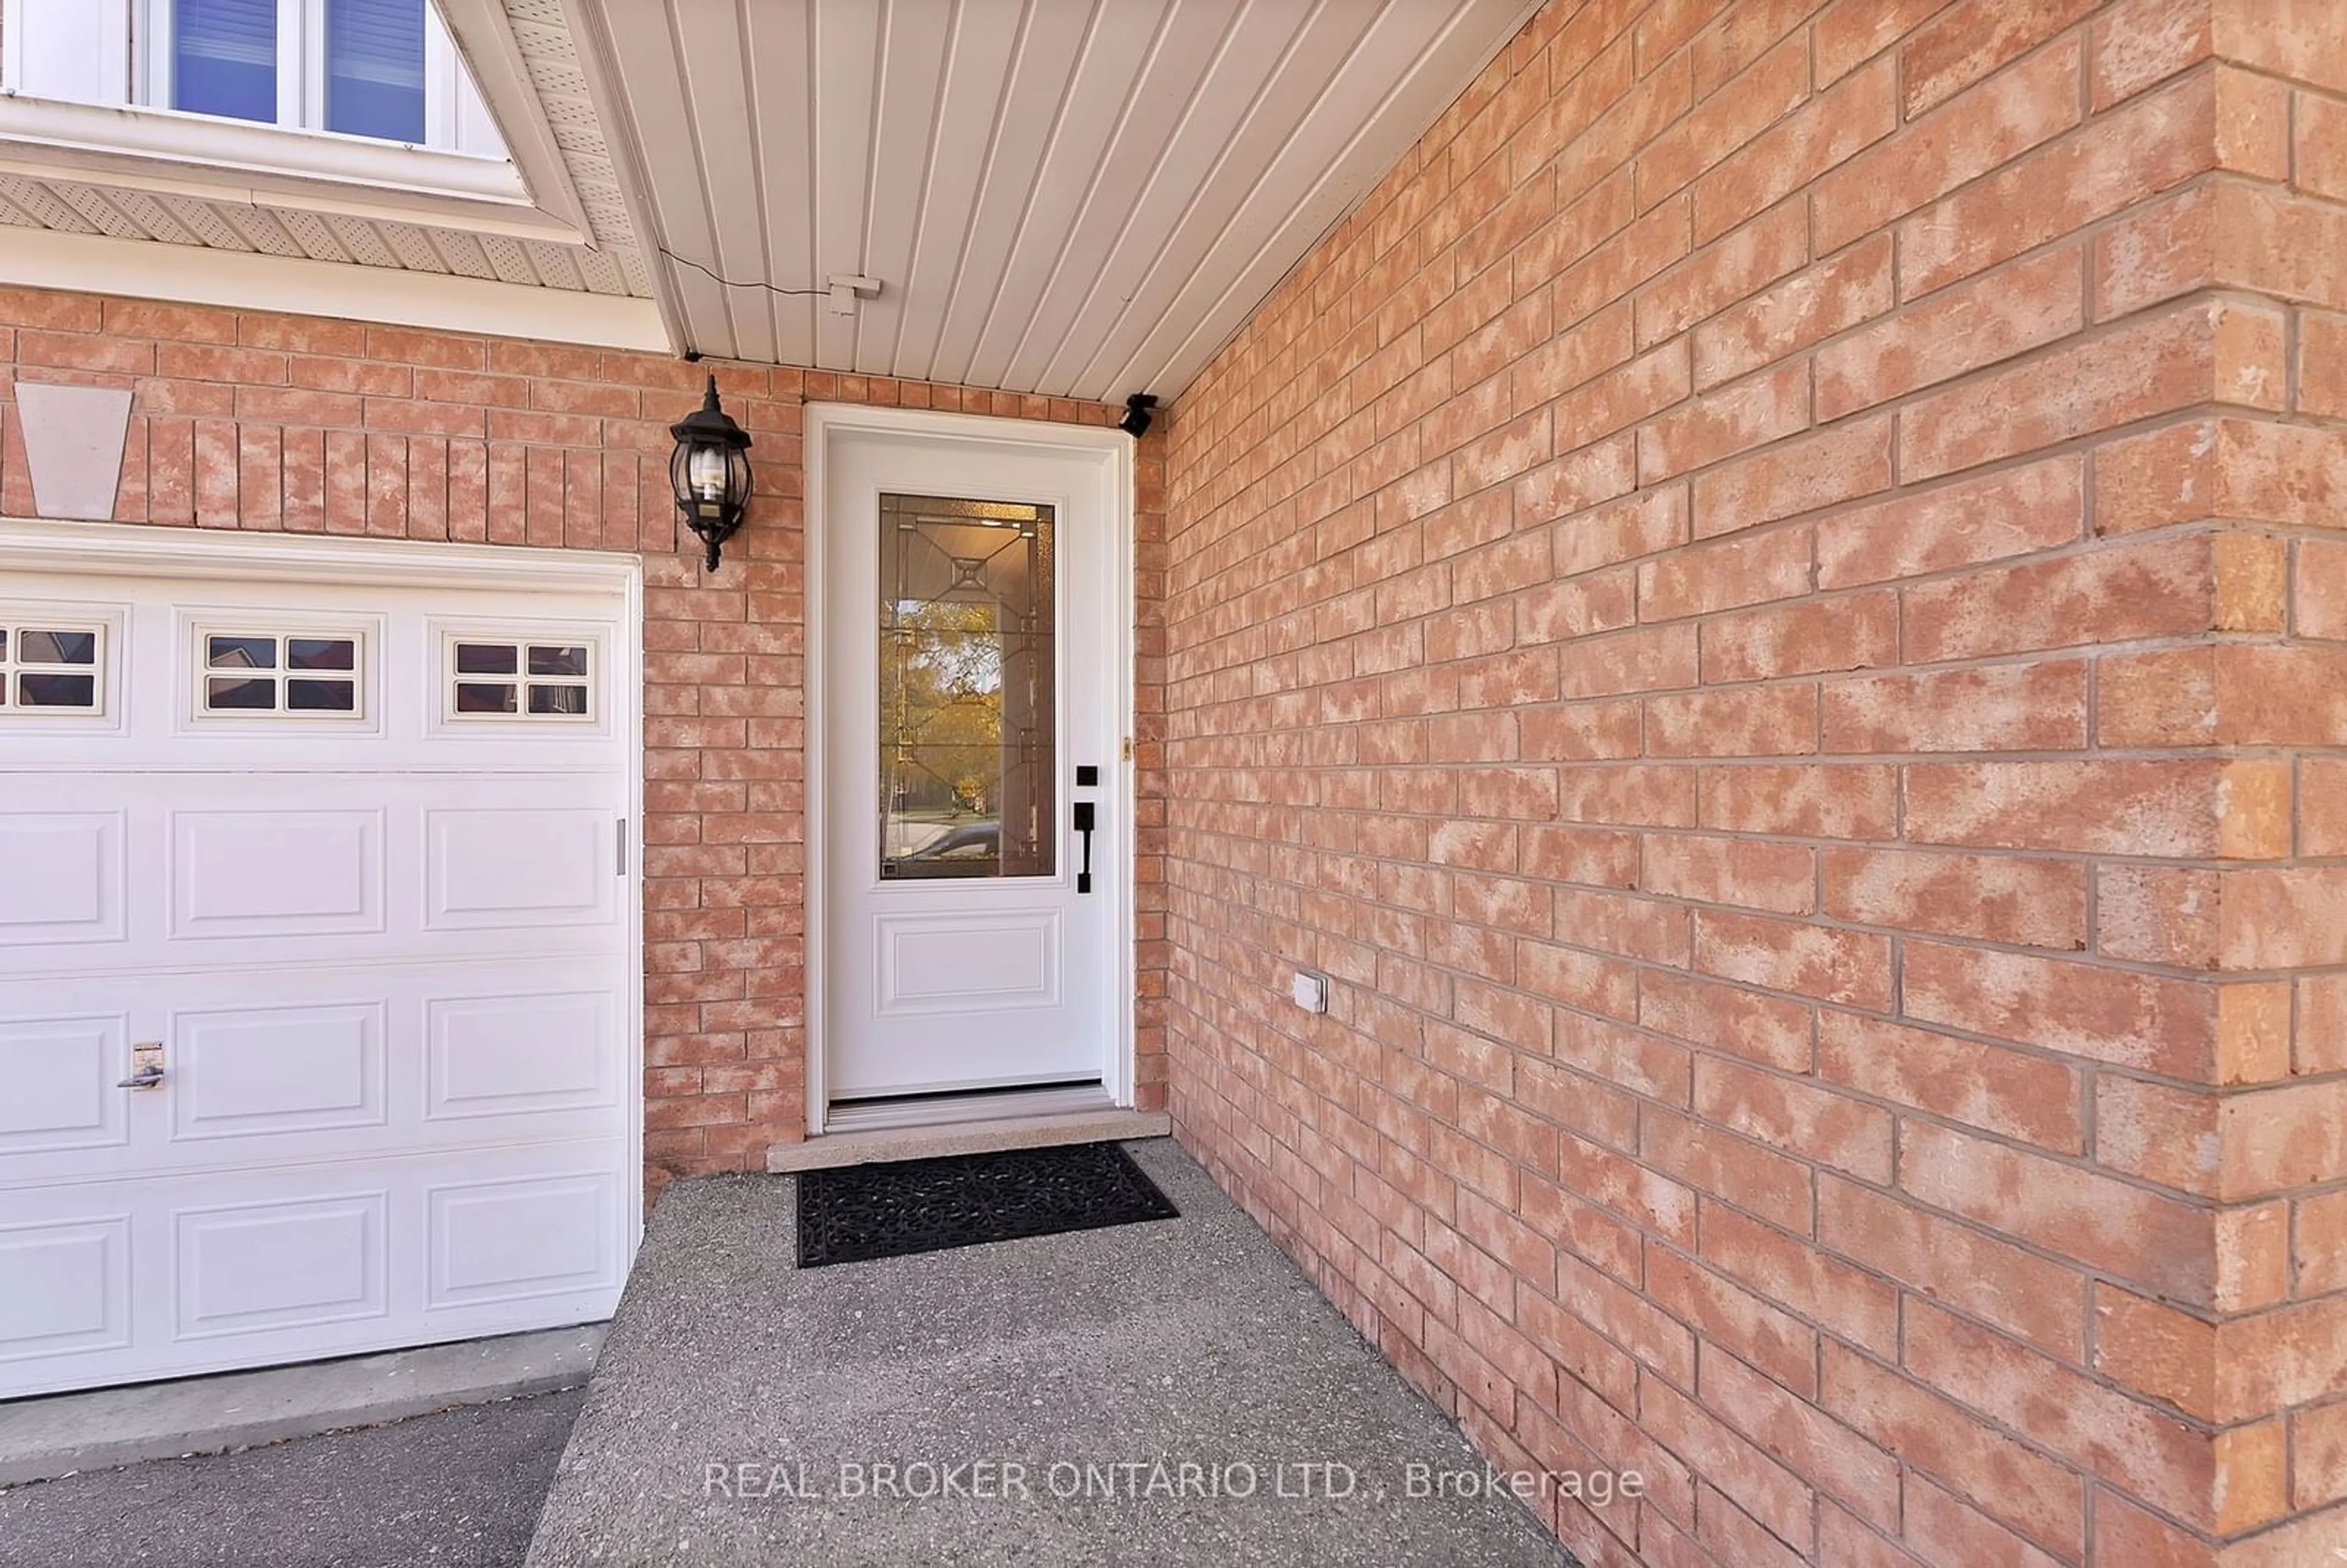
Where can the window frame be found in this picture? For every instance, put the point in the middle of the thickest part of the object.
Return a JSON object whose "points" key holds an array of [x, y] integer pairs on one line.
{"points": [[448, 678], [302, 79], [284, 629], [104, 634]]}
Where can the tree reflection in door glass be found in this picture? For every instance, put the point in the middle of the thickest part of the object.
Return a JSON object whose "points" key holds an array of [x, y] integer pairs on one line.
{"points": [[966, 690]]}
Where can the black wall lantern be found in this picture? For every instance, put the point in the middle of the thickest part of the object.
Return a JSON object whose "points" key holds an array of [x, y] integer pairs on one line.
{"points": [[710, 472]]}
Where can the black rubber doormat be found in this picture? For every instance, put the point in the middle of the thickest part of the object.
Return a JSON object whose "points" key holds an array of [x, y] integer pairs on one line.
{"points": [[859, 1212]]}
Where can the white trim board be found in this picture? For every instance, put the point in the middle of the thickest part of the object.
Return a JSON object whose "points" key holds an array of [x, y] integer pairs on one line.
{"points": [[217, 160], [823, 420], [187, 274], [36, 544]]}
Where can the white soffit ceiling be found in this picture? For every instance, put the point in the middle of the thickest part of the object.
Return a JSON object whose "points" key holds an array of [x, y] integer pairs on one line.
{"points": [[1076, 198]]}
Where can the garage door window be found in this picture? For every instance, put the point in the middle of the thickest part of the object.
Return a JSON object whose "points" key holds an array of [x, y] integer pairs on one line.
{"points": [[294, 675], [521, 680], [47, 668]]}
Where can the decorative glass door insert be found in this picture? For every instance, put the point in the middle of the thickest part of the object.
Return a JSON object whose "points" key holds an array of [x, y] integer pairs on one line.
{"points": [[967, 689]]}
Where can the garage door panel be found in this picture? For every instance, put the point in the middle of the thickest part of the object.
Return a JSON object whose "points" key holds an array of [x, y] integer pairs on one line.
{"points": [[512, 1053], [287, 1265], [60, 1075], [395, 1058], [533, 868], [292, 1067], [308, 1063], [149, 1289], [240, 869], [275, 872], [519, 1239], [83, 1304], [63, 875]]}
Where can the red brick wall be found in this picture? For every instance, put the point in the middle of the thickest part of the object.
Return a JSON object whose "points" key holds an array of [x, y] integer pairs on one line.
{"points": [[1771, 608], [250, 420]]}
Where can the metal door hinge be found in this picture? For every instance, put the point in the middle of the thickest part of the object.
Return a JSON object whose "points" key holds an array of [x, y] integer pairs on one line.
{"points": [[620, 850]]}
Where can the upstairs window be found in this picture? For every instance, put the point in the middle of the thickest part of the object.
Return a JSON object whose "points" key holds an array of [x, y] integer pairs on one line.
{"points": [[362, 67], [383, 69], [223, 58], [375, 68]]}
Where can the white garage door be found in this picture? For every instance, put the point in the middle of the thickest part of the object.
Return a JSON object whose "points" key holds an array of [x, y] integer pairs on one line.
{"points": [[344, 861]]}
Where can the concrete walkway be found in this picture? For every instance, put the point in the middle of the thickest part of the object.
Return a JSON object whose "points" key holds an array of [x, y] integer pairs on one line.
{"points": [[1030, 1402]]}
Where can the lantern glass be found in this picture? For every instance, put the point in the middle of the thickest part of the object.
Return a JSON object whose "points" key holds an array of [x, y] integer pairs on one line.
{"points": [[707, 473]]}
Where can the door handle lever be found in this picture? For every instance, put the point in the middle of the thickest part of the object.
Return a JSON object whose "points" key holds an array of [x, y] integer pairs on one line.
{"points": [[1084, 825], [147, 1066]]}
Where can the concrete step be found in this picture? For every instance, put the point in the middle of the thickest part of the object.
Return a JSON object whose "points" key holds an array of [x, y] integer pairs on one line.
{"points": [[100, 1428]]}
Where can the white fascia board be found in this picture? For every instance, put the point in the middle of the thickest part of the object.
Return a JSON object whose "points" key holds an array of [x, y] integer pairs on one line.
{"points": [[482, 33], [188, 274], [597, 65]]}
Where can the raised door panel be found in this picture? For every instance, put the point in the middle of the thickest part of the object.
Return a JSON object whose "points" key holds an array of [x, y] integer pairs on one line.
{"points": [[514, 1053], [57, 1079], [530, 868], [63, 873], [980, 961], [293, 1068], [248, 1267], [70, 1288], [514, 1239], [276, 873]]}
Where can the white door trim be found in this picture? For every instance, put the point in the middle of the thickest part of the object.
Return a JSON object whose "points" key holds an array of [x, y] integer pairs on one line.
{"points": [[825, 420], [139, 550]]}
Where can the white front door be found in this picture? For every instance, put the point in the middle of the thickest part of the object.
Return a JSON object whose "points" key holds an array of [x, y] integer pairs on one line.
{"points": [[972, 687], [316, 967]]}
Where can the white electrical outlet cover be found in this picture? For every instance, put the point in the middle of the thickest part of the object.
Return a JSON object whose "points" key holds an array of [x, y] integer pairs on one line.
{"points": [[1310, 991]]}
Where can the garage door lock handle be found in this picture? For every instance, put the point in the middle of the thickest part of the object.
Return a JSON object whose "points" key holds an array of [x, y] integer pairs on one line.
{"points": [[146, 1067]]}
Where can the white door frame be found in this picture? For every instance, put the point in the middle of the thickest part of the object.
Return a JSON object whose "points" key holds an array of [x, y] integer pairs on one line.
{"points": [[1113, 449], [129, 549]]}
